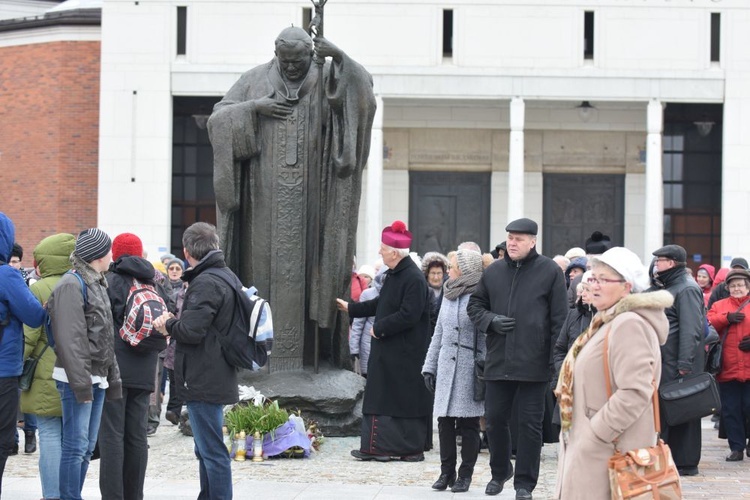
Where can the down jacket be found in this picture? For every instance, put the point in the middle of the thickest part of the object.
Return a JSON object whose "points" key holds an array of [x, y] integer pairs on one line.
{"points": [[636, 326], [735, 364], [52, 256], [359, 336], [451, 358]]}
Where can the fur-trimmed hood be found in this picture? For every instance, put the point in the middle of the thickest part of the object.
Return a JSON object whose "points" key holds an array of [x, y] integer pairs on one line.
{"points": [[650, 306], [431, 257]]}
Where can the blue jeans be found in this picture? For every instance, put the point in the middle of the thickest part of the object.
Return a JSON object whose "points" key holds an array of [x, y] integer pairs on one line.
{"points": [[215, 468], [50, 449], [80, 428]]}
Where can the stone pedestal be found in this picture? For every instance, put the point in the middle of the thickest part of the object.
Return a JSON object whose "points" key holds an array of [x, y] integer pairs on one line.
{"points": [[333, 397]]}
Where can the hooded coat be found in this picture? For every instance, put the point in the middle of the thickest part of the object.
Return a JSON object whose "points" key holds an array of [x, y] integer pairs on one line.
{"points": [[636, 326], [137, 364], [17, 305], [711, 271], [52, 256]]}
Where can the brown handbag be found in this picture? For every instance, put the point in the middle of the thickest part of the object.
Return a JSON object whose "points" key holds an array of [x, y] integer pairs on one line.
{"points": [[644, 473]]}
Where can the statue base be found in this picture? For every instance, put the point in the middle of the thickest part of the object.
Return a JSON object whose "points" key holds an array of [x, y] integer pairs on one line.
{"points": [[332, 397]]}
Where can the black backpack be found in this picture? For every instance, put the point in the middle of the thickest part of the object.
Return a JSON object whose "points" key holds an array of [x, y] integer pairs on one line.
{"points": [[238, 345]]}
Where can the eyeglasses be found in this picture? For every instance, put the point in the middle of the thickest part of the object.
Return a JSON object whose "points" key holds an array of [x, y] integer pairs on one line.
{"points": [[663, 259], [735, 286], [601, 281], [174, 268], [436, 273]]}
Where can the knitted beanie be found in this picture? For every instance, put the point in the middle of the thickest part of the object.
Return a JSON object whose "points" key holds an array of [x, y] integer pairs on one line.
{"points": [[175, 261], [92, 244], [126, 244], [469, 262]]}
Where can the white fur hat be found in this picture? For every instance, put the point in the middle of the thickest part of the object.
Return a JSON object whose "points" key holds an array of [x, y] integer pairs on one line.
{"points": [[627, 264]]}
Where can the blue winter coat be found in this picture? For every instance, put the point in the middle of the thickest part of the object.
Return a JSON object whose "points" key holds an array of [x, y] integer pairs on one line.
{"points": [[17, 305]]}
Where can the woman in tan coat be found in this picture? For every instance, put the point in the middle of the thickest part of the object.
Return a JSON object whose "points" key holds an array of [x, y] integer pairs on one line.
{"points": [[636, 326]]}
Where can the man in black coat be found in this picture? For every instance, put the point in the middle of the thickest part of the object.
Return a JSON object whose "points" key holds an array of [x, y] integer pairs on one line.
{"points": [[396, 402], [683, 352], [520, 304], [204, 379], [122, 436]]}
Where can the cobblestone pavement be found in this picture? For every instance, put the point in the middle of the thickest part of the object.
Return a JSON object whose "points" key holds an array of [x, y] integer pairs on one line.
{"points": [[332, 474]]}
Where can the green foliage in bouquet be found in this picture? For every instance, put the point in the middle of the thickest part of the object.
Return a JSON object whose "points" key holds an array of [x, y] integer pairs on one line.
{"points": [[250, 418]]}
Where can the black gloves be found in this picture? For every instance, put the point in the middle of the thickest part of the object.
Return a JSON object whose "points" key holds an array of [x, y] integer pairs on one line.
{"points": [[736, 317], [502, 325], [745, 344], [429, 381]]}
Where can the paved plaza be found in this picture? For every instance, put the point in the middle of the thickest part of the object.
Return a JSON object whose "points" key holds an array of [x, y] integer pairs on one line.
{"points": [[333, 474]]}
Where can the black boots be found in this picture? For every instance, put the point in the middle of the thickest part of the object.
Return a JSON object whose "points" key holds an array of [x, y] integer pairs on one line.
{"points": [[444, 482], [461, 485], [30, 445]]}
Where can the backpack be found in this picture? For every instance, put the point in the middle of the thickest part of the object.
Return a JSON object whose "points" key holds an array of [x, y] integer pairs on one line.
{"points": [[144, 304], [261, 323], [241, 346], [48, 321]]}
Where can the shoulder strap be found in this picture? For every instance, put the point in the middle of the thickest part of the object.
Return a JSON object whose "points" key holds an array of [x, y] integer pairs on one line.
{"points": [[608, 383], [84, 288], [742, 306]]}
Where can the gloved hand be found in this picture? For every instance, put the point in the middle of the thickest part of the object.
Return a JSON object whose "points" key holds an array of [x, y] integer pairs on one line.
{"points": [[502, 325], [429, 381], [745, 344], [355, 357], [736, 317]]}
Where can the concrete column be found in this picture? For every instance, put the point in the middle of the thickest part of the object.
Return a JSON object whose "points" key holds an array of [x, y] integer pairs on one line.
{"points": [[374, 223], [653, 237], [515, 160]]}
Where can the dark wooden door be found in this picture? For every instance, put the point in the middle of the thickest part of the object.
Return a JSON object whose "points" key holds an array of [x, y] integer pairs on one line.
{"points": [[576, 205], [448, 208]]}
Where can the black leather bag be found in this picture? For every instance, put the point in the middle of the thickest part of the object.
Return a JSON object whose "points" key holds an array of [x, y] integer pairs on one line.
{"points": [[689, 398], [29, 368], [478, 379]]}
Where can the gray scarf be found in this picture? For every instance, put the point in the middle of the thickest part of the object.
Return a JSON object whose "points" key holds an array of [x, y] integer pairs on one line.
{"points": [[470, 265]]}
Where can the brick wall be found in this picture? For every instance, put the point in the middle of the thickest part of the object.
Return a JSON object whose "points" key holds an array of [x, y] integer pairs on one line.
{"points": [[49, 138]]}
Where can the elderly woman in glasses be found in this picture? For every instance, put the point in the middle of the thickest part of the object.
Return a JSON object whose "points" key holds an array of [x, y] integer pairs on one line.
{"points": [[634, 325], [730, 320]]}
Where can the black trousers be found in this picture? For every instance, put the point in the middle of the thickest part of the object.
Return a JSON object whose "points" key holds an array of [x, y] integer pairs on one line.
{"points": [[684, 441], [735, 411], [174, 404], [498, 405], [124, 446], [468, 428], [8, 411]]}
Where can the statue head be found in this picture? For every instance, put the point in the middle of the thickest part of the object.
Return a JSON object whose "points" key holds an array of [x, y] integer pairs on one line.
{"points": [[294, 51]]}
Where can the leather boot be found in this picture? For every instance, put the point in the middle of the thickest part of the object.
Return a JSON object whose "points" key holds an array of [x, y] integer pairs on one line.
{"points": [[444, 482], [30, 445]]}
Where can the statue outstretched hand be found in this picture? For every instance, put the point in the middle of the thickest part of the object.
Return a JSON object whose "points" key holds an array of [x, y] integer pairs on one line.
{"points": [[324, 48], [268, 106]]}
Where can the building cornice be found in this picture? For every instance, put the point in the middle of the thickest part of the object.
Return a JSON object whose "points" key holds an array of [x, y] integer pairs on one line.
{"points": [[77, 17]]}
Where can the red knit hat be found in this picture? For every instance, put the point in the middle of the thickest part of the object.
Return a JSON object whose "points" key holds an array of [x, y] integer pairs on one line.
{"points": [[127, 244], [396, 235]]}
